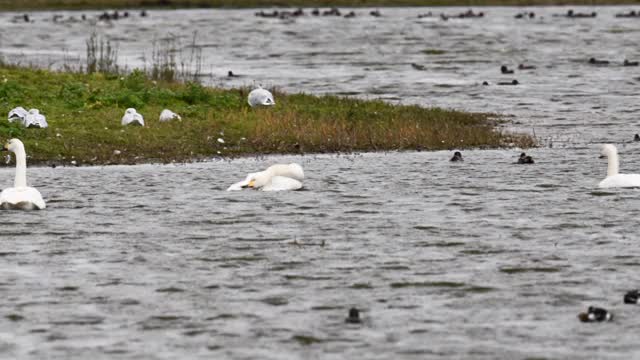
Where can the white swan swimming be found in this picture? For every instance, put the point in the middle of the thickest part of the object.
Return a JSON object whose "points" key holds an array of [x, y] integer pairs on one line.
{"points": [[20, 196], [168, 115], [131, 117], [18, 115], [614, 179], [35, 120], [277, 177], [261, 97]]}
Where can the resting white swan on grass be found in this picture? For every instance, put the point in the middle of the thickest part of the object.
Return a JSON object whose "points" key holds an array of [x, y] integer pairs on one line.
{"points": [[614, 179], [261, 97], [277, 177], [168, 115], [20, 196], [18, 115], [35, 119], [131, 117]]}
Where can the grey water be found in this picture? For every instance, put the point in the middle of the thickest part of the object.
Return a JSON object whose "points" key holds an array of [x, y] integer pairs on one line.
{"points": [[483, 259]]}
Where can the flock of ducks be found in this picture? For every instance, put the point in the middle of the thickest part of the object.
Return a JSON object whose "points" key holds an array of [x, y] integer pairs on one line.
{"points": [[596, 314], [469, 14]]}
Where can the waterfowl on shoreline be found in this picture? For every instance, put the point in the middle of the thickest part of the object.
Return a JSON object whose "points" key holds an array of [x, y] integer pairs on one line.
{"points": [[168, 115], [469, 14], [594, 61], [20, 196], [525, 159], [425, 15], [595, 314], [573, 15], [35, 120], [278, 177], [375, 13], [132, 117], [260, 97], [630, 14], [630, 63], [354, 317], [524, 15], [505, 70], [512, 82], [632, 297], [332, 12], [457, 156], [351, 14], [614, 179]]}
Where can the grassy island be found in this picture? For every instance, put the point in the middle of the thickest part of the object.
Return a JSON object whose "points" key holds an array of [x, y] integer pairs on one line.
{"points": [[84, 114], [122, 4]]}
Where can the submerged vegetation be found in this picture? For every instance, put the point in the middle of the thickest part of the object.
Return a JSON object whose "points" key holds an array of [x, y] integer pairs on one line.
{"points": [[111, 4], [84, 112]]}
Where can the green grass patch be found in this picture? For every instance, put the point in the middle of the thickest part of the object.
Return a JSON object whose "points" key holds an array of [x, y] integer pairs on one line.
{"points": [[84, 114]]}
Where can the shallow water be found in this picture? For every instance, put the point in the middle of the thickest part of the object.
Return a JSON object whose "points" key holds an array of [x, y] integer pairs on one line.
{"points": [[480, 259], [483, 259]]}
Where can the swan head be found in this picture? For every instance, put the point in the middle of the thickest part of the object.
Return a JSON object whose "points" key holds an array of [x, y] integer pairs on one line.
{"points": [[12, 145], [130, 111], [268, 101], [259, 179], [608, 150]]}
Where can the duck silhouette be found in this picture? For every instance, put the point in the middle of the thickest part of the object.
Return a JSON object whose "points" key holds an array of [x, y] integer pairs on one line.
{"points": [[457, 156], [525, 159], [595, 61], [632, 297], [512, 82], [595, 314], [505, 70], [354, 317]]}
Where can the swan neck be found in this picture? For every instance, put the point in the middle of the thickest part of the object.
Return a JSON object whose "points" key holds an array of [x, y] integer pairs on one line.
{"points": [[612, 169], [21, 168]]}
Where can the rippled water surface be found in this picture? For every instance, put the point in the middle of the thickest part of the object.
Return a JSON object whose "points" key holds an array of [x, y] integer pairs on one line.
{"points": [[483, 259]]}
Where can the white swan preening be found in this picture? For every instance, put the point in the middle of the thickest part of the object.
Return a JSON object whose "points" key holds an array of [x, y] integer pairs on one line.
{"points": [[31, 118], [168, 115], [131, 117], [277, 177], [614, 179], [261, 97], [20, 196]]}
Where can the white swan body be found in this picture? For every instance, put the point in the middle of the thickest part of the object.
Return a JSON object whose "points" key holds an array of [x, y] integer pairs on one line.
{"points": [[131, 117], [20, 196], [277, 177], [614, 179], [35, 119], [168, 115], [261, 97], [18, 115]]}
